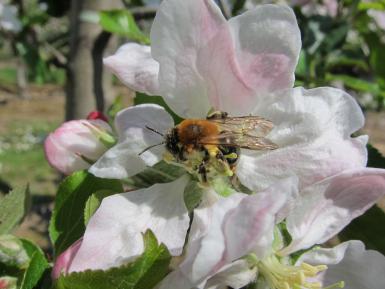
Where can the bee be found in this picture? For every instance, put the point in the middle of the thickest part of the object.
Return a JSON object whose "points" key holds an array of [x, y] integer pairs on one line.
{"points": [[215, 142]]}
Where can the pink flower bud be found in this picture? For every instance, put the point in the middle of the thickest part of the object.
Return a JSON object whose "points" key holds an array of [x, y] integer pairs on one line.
{"points": [[64, 261], [77, 144], [97, 115]]}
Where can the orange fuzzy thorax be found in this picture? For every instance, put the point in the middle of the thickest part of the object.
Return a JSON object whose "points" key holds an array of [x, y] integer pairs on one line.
{"points": [[191, 131]]}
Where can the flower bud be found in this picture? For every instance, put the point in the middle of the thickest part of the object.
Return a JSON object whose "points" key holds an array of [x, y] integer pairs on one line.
{"points": [[77, 144], [97, 115], [64, 261]]}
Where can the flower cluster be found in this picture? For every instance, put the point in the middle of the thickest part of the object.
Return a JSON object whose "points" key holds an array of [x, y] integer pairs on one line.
{"points": [[310, 187]]}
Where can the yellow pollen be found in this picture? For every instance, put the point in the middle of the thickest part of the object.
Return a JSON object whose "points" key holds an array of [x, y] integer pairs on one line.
{"points": [[285, 276]]}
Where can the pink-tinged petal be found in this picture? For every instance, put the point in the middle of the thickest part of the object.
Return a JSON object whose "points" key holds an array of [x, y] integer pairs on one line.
{"points": [[325, 208], [206, 244], [179, 31], [228, 230], [312, 129], [135, 67], [123, 160], [250, 226], [228, 66], [235, 275], [65, 147], [351, 263], [64, 261], [114, 233], [259, 57]]}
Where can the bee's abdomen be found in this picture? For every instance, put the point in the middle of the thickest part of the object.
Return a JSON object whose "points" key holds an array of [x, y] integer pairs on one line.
{"points": [[231, 154]]}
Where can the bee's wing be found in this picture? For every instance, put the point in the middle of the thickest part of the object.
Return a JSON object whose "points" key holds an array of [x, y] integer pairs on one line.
{"points": [[252, 125], [240, 140]]}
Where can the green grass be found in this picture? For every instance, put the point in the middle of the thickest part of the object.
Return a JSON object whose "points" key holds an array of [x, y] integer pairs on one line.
{"points": [[8, 75], [22, 159]]}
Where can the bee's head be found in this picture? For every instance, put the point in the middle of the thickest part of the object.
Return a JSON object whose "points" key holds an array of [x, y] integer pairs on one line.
{"points": [[172, 141]]}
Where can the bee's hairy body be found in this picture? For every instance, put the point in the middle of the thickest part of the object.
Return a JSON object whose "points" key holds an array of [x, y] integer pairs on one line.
{"points": [[186, 142]]}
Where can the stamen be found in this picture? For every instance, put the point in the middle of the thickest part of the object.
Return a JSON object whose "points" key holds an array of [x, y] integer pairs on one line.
{"points": [[284, 276]]}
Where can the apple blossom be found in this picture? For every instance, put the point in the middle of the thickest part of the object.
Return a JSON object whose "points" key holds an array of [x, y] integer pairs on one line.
{"points": [[76, 144], [198, 61], [8, 282], [233, 228], [349, 261]]}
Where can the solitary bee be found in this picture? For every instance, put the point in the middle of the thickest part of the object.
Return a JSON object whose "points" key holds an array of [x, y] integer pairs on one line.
{"points": [[214, 143]]}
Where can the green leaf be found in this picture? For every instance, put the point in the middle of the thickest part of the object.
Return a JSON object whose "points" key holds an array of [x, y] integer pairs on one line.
{"points": [[36, 268], [13, 207], [377, 53], [192, 195], [161, 172], [141, 98], [376, 5], [237, 6], [375, 158], [122, 23], [93, 203], [369, 228], [22, 259], [356, 83], [67, 223], [143, 273]]}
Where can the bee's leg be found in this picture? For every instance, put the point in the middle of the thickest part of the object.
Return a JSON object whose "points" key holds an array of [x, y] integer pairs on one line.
{"points": [[203, 172], [217, 115], [220, 156], [181, 155], [202, 169]]}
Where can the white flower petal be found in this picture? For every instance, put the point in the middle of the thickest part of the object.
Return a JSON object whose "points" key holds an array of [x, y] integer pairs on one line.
{"points": [[123, 160], [312, 130], [114, 233], [327, 207], [249, 227], [267, 42], [176, 279], [179, 30], [228, 230], [206, 244], [235, 275], [351, 263], [135, 67]]}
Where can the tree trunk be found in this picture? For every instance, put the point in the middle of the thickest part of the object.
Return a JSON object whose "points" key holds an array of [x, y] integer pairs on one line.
{"points": [[85, 70]]}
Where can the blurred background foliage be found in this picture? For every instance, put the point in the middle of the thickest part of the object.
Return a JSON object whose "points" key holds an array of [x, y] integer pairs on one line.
{"points": [[343, 46]]}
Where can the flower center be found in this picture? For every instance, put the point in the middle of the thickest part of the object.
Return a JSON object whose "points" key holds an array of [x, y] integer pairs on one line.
{"points": [[207, 163], [283, 276]]}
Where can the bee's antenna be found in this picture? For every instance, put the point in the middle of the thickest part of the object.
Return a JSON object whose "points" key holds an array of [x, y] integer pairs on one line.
{"points": [[150, 147], [153, 130]]}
